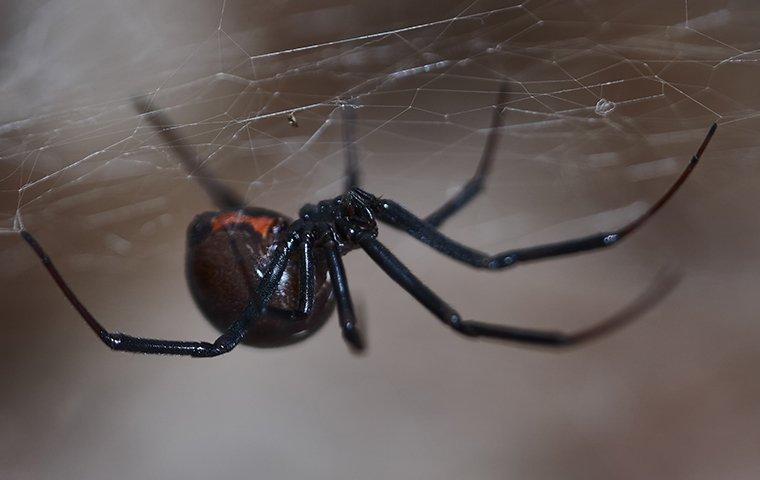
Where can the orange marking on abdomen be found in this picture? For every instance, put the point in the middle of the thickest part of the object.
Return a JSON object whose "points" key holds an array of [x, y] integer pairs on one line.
{"points": [[262, 225]]}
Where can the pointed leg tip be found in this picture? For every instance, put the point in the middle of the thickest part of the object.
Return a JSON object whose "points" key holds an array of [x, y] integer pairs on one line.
{"points": [[706, 141], [29, 238], [711, 132], [354, 340]]}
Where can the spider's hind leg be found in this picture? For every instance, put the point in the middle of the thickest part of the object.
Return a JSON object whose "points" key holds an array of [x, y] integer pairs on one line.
{"points": [[222, 196], [223, 344]]}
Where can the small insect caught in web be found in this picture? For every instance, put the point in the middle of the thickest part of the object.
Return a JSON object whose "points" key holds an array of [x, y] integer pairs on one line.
{"points": [[292, 119]]}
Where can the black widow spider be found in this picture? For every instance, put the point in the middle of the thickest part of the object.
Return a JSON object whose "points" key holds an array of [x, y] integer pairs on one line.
{"points": [[262, 278]]}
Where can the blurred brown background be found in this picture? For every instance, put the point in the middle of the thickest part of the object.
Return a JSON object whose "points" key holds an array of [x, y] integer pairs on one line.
{"points": [[674, 396]]}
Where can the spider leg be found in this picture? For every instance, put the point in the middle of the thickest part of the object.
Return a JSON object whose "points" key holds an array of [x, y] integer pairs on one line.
{"points": [[348, 324], [348, 115], [446, 314], [474, 185], [397, 216], [306, 278], [226, 342], [222, 196]]}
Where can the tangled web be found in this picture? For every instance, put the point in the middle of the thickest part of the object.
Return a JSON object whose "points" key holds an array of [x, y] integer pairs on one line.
{"points": [[599, 89]]}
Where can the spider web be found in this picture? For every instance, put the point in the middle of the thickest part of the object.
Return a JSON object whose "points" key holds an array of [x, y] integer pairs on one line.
{"points": [[607, 101], [601, 93]]}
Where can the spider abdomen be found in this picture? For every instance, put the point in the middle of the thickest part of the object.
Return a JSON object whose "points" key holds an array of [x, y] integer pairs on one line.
{"points": [[227, 255]]}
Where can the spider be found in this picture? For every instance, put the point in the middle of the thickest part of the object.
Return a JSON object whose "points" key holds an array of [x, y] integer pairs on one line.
{"points": [[266, 280]]}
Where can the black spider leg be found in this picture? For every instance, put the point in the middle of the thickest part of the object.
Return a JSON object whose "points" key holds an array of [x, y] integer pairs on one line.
{"points": [[348, 115], [397, 216], [226, 342], [401, 275], [306, 274], [348, 323], [474, 185], [222, 196]]}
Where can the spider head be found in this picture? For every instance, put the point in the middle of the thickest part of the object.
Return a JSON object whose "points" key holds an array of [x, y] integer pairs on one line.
{"points": [[354, 217]]}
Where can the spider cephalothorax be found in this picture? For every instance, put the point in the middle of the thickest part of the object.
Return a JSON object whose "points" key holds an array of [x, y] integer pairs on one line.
{"points": [[347, 215], [265, 280]]}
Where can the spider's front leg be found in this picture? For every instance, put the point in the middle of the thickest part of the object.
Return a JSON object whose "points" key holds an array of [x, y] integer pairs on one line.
{"points": [[466, 193], [353, 175], [394, 214], [474, 185]]}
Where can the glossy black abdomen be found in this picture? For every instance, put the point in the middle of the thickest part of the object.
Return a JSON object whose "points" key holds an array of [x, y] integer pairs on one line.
{"points": [[227, 255]]}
